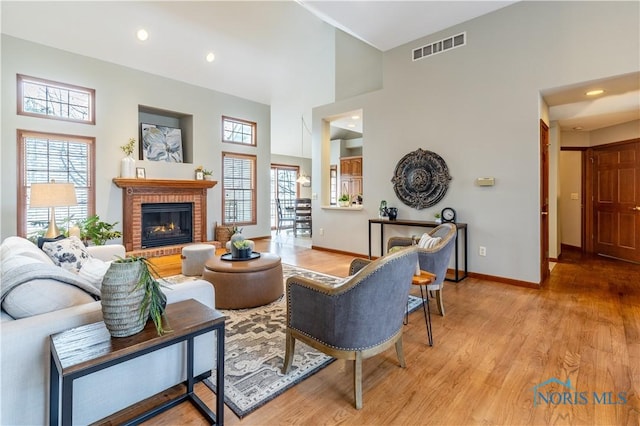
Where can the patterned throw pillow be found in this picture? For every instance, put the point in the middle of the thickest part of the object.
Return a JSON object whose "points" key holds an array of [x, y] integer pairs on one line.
{"points": [[427, 241], [69, 254]]}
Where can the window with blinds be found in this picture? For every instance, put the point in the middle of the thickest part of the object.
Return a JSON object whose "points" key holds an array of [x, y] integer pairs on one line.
{"points": [[60, 101], [238, 189], [44, 157], [235, 130]]}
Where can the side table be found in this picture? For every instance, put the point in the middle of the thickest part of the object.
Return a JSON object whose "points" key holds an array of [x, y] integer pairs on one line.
{"points": [[425, 278], [188, 319]]}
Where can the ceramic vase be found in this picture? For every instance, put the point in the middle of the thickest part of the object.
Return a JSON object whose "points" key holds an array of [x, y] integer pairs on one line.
{"points": [[121, 300], [128, 167]]}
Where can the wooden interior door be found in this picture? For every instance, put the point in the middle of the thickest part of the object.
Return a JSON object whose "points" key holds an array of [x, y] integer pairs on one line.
{"points": [[544, 201], [616, 200]]}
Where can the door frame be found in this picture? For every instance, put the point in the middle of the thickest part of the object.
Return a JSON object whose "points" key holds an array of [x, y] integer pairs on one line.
{"points": [[544, 202], [587, 183]]}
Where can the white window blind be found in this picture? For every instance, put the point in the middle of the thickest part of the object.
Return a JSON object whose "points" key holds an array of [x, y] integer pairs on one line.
{"points": [[238, 188]]}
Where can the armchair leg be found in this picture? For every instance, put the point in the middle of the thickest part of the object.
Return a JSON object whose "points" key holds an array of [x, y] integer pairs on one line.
{"points": [[290, 346], [439, 302], [357, 375], [400, 352]]}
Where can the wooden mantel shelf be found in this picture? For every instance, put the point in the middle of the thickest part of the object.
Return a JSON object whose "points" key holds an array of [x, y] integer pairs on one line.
{"points": [[164, 183]]}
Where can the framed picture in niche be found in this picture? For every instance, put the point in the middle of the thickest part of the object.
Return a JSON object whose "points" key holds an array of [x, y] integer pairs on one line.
{"points": [[161, 143], [140, 173]]}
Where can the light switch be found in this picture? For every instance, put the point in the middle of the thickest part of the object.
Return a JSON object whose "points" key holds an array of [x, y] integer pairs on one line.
{"points": [[574, 195]]}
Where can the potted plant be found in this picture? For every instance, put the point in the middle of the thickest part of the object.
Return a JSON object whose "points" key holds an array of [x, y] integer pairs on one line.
{"points": [[241, 249], [344, 200], [130, 296], [438, 218], [93, 230]]}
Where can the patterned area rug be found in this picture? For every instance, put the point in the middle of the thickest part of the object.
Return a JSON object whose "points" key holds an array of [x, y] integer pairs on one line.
{"points": [[255, 346]]}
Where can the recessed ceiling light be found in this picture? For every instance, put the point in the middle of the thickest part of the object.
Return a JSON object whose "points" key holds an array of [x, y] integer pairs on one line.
{"points": [[211, 57], [594, 92], [142, 34], [351, 125], [355, 117], [578, 128]]}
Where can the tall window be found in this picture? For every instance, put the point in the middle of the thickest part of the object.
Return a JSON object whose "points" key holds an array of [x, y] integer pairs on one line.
{"points": [[59, 101], [239, 131], [238, 189], [283, 187], [63, 158]]}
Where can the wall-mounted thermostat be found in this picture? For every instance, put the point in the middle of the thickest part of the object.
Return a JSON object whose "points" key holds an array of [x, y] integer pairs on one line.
{"points": [[486, 181]]}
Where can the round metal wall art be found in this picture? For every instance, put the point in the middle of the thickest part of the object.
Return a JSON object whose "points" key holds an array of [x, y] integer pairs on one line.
{"points": [[421, 179]]}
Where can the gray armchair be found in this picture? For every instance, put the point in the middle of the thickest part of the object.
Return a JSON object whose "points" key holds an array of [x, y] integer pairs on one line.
{"points": [[434, 259], [355, 320]]}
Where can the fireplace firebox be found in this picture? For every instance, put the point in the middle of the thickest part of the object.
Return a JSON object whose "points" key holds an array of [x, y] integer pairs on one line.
{"points": [[165, 224]]}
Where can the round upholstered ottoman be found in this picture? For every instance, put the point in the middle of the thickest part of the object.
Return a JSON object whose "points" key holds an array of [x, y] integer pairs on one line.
{"points": [[246, 283], [194, 257]]}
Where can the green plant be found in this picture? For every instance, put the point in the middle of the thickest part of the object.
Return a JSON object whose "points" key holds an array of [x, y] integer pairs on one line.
{"points": [[128, 147], [437, 215], [154, 299], [344, 197], [94, 230], [204, 171], [241, 244]]}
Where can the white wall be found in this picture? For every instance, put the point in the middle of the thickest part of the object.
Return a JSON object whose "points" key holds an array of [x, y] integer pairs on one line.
{"points": [[477, 106], [119, 91]]}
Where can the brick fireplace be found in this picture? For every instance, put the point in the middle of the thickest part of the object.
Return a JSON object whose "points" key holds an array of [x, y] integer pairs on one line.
{"points": [[136, 192]]}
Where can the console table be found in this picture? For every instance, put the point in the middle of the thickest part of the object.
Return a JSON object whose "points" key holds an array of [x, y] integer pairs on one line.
{"points": [[425, 224], [188, 319]]}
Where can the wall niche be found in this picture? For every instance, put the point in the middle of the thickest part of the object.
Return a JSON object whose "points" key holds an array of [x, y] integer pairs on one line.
{"points": [[162, 117]]}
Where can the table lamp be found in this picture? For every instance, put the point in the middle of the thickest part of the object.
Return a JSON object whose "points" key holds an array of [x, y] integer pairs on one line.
{"points": [[52, 195]]}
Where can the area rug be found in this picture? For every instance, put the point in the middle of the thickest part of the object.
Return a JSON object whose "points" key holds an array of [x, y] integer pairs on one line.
{"points": [[255, 346]]}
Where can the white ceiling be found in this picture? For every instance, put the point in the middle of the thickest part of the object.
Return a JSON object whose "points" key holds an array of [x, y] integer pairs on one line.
{"points": [[273, 52]]}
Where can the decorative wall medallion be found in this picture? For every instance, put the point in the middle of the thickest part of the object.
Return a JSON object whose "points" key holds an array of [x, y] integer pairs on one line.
{"points": [[421, 179]]}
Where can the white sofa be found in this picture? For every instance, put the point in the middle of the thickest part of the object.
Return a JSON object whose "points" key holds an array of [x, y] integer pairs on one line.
{"points": [[24, 355]]}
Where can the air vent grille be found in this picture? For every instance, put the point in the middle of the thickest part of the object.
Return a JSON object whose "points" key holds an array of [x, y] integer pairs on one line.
{"points": [[440, 46]]}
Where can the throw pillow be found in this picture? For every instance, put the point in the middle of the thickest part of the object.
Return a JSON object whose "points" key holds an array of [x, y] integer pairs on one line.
{"points": [[42, 240], [427, 241], [93, 270], [69, 254]]}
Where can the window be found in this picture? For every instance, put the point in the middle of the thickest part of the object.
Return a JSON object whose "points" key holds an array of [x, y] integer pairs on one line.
{"points": [[238, 189], [58, 101], [284, 188], [43, 157], [239, 131]]}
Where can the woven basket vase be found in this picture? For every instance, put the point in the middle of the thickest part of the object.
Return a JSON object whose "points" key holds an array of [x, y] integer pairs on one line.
{"points": [[120, 302]]}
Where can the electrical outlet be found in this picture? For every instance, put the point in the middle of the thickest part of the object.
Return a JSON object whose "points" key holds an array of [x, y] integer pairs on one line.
{"points": [[482, 251], [321, 231]]}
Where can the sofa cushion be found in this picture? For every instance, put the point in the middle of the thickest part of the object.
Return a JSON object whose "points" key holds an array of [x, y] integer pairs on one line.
{"points": [[69, 253], [40, 295], [17, 246], [42, 240]]}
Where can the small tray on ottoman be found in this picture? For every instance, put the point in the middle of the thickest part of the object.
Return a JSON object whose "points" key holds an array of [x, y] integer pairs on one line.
{"points": [[228, 257]]}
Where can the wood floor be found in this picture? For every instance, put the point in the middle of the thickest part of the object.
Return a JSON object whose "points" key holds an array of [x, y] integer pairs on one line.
{"points": [[495, 344]]}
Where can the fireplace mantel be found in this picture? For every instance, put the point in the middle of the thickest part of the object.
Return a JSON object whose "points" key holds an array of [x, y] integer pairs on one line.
{"points": [[135, 192], [164, 183]]}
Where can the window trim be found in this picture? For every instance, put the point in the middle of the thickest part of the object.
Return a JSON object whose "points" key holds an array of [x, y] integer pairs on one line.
{"points": [[254, 130], [254, 201], [21, 78], [21, 174]]}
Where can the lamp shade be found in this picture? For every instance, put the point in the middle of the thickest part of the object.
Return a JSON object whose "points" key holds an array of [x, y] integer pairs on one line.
{"points": [[52, 195], [303, 179]]}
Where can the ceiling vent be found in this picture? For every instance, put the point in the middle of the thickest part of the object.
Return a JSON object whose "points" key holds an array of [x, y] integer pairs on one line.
{"points": [[440, 46]]}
